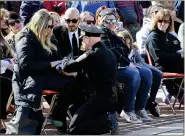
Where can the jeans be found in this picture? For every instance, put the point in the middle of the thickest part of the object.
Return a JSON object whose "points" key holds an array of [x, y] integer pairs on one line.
{"points": [[157, 76], [137, 84]]}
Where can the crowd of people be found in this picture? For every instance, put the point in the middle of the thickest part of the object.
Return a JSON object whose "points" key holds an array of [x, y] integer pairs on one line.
{"points": [[85, 50]]}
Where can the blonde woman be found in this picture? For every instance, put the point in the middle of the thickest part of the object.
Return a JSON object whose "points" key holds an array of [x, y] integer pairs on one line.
{"points": [[56, 18], [87, 18], [3, 15], [165, 48], [34, 70]]}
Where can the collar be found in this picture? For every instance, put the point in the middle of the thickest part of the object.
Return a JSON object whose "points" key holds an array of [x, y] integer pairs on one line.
{"points": [[71, 33]]}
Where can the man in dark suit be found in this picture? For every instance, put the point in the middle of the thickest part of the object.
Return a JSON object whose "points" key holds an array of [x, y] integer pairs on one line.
{"points": [[68, 35], [68, 43]]}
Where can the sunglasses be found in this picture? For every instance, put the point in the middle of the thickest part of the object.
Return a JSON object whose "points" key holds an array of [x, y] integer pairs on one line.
{"points": [[74, 21], [50, 26], [165, 21], [13, 22], [90, 22], [110, 21]]}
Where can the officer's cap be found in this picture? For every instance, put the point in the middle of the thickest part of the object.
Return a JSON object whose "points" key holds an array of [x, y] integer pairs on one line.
{"points": [[90, 31], [107, 11]]}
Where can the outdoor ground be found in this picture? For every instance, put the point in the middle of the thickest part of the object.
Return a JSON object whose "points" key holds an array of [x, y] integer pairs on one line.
{"points": [[166, 125]]}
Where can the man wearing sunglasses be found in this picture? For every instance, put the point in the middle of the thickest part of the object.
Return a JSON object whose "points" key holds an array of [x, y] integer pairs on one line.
{"points": [[14, 23], [68, 34]]}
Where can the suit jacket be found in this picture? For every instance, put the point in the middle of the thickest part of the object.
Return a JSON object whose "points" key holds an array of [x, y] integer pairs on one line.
{"points": [[61, 34]]}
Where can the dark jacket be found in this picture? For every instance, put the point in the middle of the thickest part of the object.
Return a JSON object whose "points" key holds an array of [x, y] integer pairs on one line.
{"points": [[28, 8], [163, 48], [32, 60], [13, 6], [100, 67], [61, 34], [116, 45]]}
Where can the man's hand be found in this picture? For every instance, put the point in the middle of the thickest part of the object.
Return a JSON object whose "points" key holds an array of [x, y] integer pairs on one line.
{"points": [[70, 74]]}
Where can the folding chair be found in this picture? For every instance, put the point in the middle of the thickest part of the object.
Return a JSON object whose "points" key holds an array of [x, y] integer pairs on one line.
{"points": [[167, 76], [52, 105]]}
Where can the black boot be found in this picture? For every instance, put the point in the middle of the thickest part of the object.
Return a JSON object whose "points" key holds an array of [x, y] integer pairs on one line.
{"points": [[153, 108]]}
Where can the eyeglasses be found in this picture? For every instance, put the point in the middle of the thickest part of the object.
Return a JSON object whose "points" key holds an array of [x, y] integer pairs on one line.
{"points": [[90, 22], [110, 21], [13, 22], [165, 21], [74, 21], [50, 26]]}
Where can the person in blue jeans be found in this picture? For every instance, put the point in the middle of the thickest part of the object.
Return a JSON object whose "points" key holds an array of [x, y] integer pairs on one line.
{"points": [[137, 80], [136, 58], [91, 6]]}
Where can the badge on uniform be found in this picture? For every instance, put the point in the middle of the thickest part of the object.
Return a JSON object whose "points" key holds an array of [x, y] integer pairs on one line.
{"points": [[175, 42]]}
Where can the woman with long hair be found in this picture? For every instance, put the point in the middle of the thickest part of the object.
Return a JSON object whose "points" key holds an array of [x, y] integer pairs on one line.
{"points": [[165, 48], [34, 70], [136, 59]]}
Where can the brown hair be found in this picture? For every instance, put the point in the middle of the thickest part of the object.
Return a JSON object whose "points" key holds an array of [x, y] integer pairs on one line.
{"points": [[98, 12], [125, 34], [163, 14]]}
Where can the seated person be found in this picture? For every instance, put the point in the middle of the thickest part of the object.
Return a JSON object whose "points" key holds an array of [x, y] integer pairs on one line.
{"points": [[100, 66], [34, 71], [137, 60], [14, 23], [165, 48], [135, 80], [87, 18], [4, 28], [5, 72], [142, 34]]}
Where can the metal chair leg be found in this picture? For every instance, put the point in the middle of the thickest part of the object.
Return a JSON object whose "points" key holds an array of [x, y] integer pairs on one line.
{"points": [[167, 99], [9, 101], [181, 102], [52, 105], [180, 87]]}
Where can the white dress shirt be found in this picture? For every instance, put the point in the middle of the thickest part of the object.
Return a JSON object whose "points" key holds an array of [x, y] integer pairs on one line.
{"points": [[71, 36]]}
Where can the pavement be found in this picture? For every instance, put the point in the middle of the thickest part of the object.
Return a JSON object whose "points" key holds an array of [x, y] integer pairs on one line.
{"points": [[167, 124]]}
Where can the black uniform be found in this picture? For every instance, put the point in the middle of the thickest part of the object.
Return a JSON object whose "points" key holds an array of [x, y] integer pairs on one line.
{"points": [[100, 67]]}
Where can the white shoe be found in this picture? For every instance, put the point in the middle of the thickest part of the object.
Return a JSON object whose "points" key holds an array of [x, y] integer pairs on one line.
{"points": [[124, 116], [143, 115], [133, 118]]}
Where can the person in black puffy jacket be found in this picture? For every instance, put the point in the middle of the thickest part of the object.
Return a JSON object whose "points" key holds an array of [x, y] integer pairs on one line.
{"points": [[165, 48], [34, 70]]}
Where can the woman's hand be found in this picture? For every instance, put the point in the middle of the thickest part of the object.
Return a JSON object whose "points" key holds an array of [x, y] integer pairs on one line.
{"points": [[133, 66]]}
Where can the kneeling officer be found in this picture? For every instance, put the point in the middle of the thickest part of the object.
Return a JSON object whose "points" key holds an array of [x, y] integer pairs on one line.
{"points": [[100, 66]]}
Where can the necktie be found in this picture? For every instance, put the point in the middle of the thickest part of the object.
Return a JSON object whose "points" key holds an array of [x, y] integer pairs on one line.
{"points": [[75, 45]]}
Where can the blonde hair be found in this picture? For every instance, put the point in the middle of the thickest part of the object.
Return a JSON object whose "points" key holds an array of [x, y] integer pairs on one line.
{"points": [[37, 24], [85, 13], [55, 14], [3, 13], [161, 15], [3, 42], [125, 34]]}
